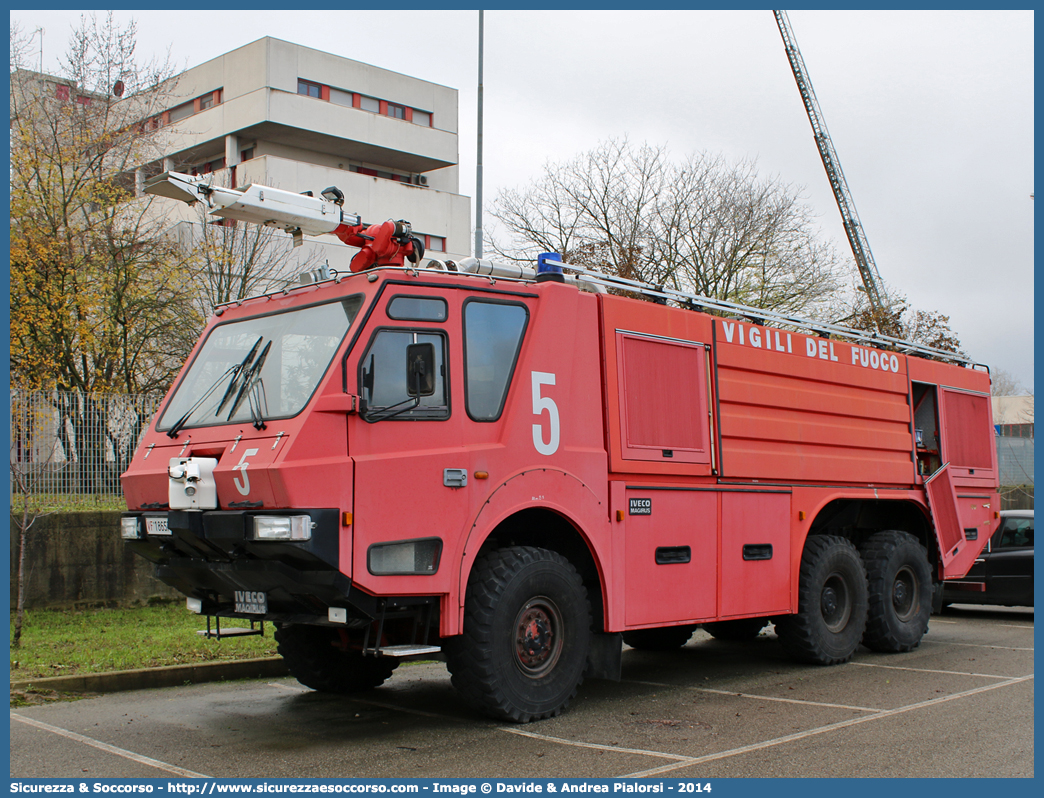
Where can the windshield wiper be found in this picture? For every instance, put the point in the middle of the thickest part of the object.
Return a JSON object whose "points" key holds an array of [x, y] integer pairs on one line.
{"points": [[235, 372], [254, 401], [239, 371], [252, 375]]}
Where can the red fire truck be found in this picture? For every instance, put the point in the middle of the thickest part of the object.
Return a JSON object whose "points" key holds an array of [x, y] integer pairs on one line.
{"points": [[518, 471]]}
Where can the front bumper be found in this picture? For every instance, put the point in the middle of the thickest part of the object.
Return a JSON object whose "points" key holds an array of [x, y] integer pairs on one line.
{"points": [[210, 555]]}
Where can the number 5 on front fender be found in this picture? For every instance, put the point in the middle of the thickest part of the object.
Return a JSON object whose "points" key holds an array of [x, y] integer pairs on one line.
{"points": [[540, 404]]}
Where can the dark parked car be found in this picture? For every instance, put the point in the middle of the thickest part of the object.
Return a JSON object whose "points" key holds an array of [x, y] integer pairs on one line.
{"points": [[1003, 573]]}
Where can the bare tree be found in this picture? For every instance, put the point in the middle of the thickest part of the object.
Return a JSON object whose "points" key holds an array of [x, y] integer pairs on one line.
{"points": [[703, 225], [901, 320], [1004, 383], [230, 260]]}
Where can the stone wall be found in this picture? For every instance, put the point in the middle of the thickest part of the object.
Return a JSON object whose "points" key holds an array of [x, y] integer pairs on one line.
{"points": [[79, 558]]}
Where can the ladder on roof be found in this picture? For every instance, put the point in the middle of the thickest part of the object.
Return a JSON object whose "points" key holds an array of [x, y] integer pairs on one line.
{"points": [[759, 316]]}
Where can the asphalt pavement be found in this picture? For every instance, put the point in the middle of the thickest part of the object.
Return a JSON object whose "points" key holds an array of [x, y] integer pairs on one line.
{"points": [[960, 705]]}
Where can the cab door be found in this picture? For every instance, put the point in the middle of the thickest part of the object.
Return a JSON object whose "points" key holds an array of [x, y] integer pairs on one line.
{"points": [[410, 464]]}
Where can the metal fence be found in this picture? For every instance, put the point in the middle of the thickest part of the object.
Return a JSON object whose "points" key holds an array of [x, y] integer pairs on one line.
{"points": [[70, 443], [1015, 459]]}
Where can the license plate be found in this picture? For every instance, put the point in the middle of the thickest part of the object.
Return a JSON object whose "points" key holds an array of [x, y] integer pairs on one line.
{"points": [[251, 602], [157, 526]]}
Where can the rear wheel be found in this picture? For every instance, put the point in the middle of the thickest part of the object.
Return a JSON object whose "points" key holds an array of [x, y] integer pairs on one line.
{"points": [[740, 629], [832, 603], [317, 658], [527, 629], [664, 638], [900, 585]]}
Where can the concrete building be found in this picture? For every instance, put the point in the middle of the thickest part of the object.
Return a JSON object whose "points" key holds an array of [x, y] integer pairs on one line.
{"points": [[1013, 415], [298, 119]]}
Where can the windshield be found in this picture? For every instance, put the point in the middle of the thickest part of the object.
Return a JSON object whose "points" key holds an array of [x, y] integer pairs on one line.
{"points": [[266, 366]]}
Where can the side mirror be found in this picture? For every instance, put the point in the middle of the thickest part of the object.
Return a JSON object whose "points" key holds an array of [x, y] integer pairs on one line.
{"points": [[420, 369]]}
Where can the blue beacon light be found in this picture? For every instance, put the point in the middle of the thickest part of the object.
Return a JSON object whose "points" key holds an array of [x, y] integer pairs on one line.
{"points": [[549, 268]]}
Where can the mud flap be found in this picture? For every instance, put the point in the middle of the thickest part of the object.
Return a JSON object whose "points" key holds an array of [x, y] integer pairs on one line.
{"points": [[942, 499], [604, 657]]}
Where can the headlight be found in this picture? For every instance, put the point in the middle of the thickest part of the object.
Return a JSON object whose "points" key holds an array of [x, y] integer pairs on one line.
{"points": [[419, 556], [129, 528], [283, 527]]}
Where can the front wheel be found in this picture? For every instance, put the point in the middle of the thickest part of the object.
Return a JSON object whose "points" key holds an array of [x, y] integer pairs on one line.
{"points": [[832, 603], [527, 629], [318, 658], [900, 582]]}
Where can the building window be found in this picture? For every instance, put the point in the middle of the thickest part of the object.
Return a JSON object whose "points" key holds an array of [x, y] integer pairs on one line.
{"points": [[369, 104], [62, 92], [208, 167], [422, 118], [183, 111], [206, 101], [341, 97], [246, 154], [309, 89], [83, 100], [435, 243], [396, 111]]}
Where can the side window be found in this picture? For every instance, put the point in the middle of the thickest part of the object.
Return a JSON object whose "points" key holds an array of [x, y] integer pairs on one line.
{"points": [[492, 338], [1017, 532], [382, 375], [417, 308]]}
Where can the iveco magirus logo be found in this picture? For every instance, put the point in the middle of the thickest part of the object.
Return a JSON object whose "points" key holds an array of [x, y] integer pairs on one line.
{"points": [[639, 506], [251, 602]]}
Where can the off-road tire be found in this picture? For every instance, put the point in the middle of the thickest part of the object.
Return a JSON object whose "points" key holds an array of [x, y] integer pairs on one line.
{"points": [[832, 603], [900, 591], [739, 629], [662, 638], [311, 654], [527, 630]]}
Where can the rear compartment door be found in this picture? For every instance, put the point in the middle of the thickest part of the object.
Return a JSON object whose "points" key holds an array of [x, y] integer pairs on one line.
{"points": [[942, 499]]}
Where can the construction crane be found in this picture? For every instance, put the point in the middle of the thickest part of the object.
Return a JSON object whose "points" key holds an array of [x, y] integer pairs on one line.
{"points": [[872, 283]]}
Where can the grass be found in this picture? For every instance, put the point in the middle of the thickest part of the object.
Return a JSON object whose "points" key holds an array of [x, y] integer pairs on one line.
{"points": [[40, 503], [66, 642]]}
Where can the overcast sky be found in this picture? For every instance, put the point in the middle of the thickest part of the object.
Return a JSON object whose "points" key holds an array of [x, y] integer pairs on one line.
{"points": [[931, 114]]}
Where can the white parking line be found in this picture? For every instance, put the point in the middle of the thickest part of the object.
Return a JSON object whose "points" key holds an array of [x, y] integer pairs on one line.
{"points": [[596, 746], [112, 749], [756, 697], [980, 645], [927, 670], [1014, 626], [821, 730]]}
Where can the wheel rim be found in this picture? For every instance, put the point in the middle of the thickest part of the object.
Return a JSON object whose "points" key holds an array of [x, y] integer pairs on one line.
{"points": [[835, 603], [905, 594], [538, 637]]}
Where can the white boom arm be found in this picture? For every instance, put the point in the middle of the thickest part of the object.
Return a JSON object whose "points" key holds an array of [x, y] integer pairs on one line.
{"points": [[294, 213]]}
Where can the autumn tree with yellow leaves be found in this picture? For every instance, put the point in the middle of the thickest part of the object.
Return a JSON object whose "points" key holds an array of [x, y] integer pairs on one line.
{"points": [[99, 297]]}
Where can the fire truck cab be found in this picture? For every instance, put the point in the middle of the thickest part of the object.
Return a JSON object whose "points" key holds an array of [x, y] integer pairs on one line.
{"points": [[518, 474]]}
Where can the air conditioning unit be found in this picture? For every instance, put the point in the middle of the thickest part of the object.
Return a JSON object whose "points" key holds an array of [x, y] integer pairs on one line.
{"points": [[420, 180]]}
